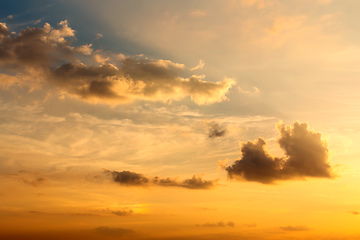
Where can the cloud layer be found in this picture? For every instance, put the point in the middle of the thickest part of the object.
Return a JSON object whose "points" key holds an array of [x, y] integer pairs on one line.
{"points": [[306, 155], [47, 55], [128, 178]]}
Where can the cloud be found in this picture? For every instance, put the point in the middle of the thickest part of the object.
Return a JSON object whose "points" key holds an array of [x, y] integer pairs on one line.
{"points": [[295, 228], [123, 212], [85, 49], [35, 182], [3, 30], [253, 92], [191, 183], [135, 179], [216, 131], [250, 225], [355, 212], [34, 47], [218, 224], [199, 66], [128, 178], [98, 36], [47, 54], [306, 155]]}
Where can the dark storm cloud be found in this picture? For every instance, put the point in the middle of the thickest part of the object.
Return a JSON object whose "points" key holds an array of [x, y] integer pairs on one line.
{"points": [[218, 224], [47, 55], [136, 179], [295, 228], [216, 131], [306, 155]]}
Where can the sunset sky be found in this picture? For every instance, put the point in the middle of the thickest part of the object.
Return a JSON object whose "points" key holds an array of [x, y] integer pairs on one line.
{"points": [[177, 120]]}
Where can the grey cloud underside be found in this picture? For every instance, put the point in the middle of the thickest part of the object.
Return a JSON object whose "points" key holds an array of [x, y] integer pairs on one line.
{"points": [[306, 155], [47, 54], [128, 178]]}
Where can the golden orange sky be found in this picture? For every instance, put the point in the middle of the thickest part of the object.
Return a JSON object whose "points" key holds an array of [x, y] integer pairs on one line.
{"points": [[201, 120]]}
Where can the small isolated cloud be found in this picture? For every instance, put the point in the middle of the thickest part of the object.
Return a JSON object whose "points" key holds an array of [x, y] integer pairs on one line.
{"points": [[98, 36], [250, 225], [123, 212], [295, 228], [192, 183], [216, 131], [254, 91], [218, 224], [355, 212], [306, 155], [135, 179], [128, 178], [46, 55], [199, 66], [115, 232]]}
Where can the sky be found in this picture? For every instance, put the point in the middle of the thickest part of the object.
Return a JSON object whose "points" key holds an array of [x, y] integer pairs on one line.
{"points": [[176, 120]]}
